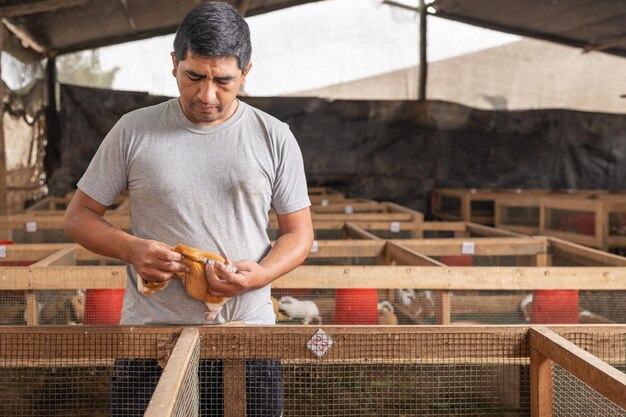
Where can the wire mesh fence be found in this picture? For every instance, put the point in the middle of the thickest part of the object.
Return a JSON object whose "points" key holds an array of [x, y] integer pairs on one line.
{"points": [[290, 371], [572, 396]]}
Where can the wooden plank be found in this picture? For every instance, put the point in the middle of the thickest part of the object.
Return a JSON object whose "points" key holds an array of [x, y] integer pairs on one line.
{"points": [[32, 308], [377, 276], [483, 246], [53, 221], [85, 343], [598, 375], [443, 307], [541, 392], [488, 231], [362, 217], [356, 232], [90, 345], [443, 226], [583, 255], [455, 278], [62, 277], [368, 225], [354, 207], [573, 237], [63, 257], [485, 304], [38, 7], [348, 248], [234, 388], [163, 400], [402, 255], [30, 252]]}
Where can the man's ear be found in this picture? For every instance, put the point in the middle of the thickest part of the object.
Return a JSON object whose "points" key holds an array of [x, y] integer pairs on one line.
{"points": [[174, 63], [245, 72]]}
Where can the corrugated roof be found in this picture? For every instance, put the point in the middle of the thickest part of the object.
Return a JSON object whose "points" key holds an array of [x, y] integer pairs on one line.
{"points": [[588, 24], [61, 26]]}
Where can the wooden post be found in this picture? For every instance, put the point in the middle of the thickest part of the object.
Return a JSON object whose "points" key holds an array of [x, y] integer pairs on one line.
{"points": [[466, 208], [234, 388], [421, 95], [443, 307], [541, 394], [543, 259], [3, 160]]}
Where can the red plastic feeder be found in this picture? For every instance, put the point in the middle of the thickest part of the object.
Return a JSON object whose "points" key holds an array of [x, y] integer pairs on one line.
{"points": [[103, 306], [554, 307], [457, 260], [585, 224], [356, 306]]}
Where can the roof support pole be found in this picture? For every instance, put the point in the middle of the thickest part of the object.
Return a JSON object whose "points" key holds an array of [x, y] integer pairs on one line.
{"points": [[423, 67], [52, 159], [3, 159]]}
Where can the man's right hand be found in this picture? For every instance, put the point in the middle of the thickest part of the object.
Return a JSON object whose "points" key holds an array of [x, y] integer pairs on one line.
{"points": [[155, 261]]}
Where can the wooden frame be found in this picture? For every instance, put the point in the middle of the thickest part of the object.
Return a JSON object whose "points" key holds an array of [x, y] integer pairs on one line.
{"points": [[467, 197], [399, 264], [514, 346], [548, 347]]}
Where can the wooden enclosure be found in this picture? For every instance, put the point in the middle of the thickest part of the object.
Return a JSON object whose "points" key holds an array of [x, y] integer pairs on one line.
{"points": [[513, 265], [374, 370]]}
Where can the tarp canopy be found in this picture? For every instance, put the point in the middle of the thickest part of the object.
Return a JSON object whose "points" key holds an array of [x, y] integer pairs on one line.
{"points": [[594, 25], [60, 26]]}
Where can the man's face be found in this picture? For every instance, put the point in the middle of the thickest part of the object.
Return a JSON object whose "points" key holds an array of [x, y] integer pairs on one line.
{"points": [[208, 87]]}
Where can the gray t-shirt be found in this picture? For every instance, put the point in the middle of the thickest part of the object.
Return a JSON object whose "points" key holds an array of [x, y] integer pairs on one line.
{"points": [[210, 187]]}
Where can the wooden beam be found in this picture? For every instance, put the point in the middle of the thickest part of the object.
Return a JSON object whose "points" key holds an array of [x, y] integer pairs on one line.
{"points": [[583, 255], [30, 251], [541, 391], [423, 65], [26, 40], [355, 231], [39, 6], [599, 375], [348, 248], [482, 230], [182, 363], [331, 277], [483, 246], [63, 257], [405, 256], [443, 226]]}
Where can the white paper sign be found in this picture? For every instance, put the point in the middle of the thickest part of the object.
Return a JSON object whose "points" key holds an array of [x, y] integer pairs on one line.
{"points": [[468, 248], [349, 210], [3, 251], [31, 227], [324, 203], [314, 247], [395, 227], [320, 343]]}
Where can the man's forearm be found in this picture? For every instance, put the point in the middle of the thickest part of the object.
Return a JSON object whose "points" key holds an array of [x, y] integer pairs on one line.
{"points": [[90, 230], [288, 251]]}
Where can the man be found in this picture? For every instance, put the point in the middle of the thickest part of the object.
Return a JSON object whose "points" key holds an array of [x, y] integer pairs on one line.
{"points": [[203, 170]]}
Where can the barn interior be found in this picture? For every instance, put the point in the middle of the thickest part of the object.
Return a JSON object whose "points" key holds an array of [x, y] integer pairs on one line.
{"points": [[469, 226]]}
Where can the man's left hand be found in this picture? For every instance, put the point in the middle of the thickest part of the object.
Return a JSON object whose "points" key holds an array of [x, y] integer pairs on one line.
{"points": [[250, 275]]}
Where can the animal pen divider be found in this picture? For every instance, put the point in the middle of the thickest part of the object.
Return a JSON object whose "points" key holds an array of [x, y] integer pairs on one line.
{"points": [[505, 272], [357, 370]]}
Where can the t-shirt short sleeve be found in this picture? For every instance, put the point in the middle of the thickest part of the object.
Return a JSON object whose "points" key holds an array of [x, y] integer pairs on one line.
{"points": [[107, 174], [290, 192]]}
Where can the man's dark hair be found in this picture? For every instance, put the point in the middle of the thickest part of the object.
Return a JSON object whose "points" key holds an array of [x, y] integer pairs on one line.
{"points": [[214, 29]]}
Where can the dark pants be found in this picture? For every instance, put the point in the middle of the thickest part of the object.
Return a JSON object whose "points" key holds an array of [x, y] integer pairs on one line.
{"points": [[134, 381]]}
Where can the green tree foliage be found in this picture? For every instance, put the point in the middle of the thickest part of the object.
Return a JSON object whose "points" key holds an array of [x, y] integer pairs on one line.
{"points": [[85, 69]]}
